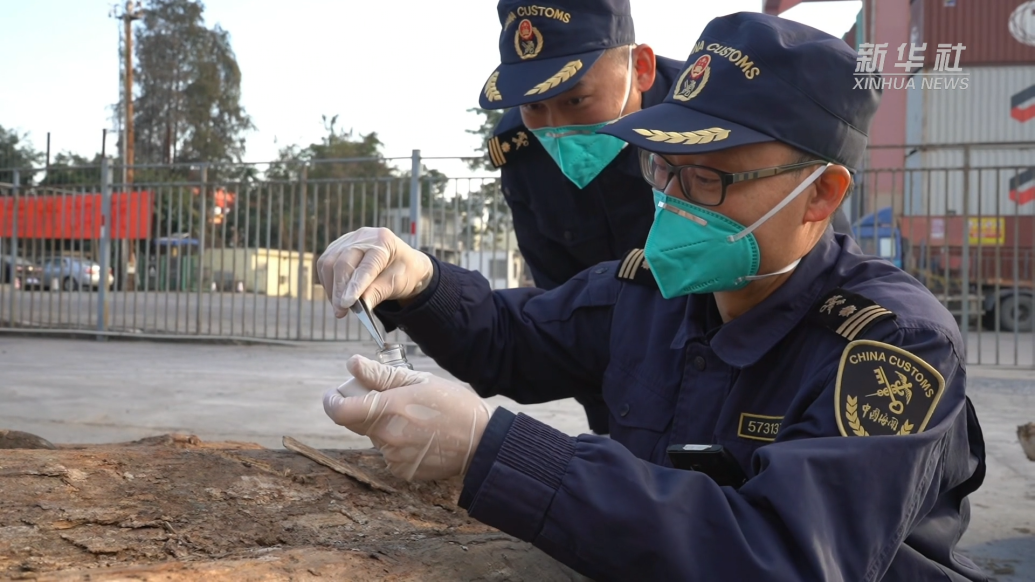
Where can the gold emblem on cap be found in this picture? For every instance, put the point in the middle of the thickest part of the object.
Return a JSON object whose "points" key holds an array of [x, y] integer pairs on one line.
{"points": [[693, 79], [491, 93], [561, 76], [510, 20], [528, 41], [699, 137]]}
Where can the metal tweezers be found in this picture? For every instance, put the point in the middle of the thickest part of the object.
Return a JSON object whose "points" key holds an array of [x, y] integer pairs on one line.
{"points": [[366, 317]]}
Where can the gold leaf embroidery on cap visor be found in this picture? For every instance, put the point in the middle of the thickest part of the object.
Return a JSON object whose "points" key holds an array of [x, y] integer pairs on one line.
{"points": [[491, 93], [561, 76], [699, 137]]}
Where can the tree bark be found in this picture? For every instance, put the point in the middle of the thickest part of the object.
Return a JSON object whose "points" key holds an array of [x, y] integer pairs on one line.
{"points": [[1026, 434], [175, 508]]}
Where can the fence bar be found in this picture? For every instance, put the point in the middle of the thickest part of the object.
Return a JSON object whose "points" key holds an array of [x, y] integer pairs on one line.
{"points": [[415, 226], [106, 226], [202, 222], [302, 271], [965, 261], [16, 181]]}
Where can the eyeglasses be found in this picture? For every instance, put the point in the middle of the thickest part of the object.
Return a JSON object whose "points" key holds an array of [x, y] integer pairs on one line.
{"points": [[700, 184]]}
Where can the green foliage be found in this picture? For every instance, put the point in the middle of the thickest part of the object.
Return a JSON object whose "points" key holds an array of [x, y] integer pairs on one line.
{"points": [[15, 153], [487, 212], [363, 153], [189, 88], [490, 119], [347, 184], [68, 169]]}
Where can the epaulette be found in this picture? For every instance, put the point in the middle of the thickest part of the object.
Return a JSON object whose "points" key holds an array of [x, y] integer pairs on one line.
{"points": [[847, 314], [634, 269], [503, 146]]}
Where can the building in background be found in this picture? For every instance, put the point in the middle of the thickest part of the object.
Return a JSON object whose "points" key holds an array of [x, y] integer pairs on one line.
{"points": [[993, 118]]}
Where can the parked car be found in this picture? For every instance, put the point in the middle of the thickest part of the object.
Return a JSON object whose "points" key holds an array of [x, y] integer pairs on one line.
{"points": [[72, 273], [12, 268]]}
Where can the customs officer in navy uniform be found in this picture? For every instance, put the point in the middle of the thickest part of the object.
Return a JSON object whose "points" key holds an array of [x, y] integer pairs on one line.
{"points": [[831, 384], [576, 195]]}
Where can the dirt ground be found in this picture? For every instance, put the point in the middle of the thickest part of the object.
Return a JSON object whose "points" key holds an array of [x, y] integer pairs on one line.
{"points": [[85, 391], [180, 509]]}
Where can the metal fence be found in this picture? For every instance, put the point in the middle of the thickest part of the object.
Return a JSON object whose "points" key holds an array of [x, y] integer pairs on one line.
{"points": [[225, 251], [960, 220], [231, 251]]}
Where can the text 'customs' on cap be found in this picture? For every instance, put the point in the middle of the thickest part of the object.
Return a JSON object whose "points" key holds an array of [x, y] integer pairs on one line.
{"points": [[753, 78], [545, 48]]}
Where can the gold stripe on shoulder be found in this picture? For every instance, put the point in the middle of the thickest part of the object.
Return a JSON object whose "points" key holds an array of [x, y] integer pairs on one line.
{"points": [[865, 322], [862, 313], [848, 314], [627, 270], [855, 324], [496, 152]]}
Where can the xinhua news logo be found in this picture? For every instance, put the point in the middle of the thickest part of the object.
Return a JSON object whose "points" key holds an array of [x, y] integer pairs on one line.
{"points": [[945, 74]]}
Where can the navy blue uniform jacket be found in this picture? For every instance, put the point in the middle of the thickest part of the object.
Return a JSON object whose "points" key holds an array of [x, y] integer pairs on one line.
{"points": [[770, 386]]}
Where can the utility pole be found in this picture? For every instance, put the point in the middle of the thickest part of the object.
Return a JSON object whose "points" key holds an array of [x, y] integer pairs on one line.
{"points": [[128, 17]]}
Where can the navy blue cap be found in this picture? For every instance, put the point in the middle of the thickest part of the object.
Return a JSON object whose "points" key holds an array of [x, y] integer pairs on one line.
{"points": [[546, 47], [754, 78]]}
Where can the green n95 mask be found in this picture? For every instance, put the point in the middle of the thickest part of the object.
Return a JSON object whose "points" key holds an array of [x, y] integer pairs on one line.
{"points": [[579, 151], [691, 249]]}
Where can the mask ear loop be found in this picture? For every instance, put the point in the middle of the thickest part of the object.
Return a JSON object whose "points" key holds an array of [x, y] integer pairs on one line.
{"points": [[628, 85], [787, 200]]}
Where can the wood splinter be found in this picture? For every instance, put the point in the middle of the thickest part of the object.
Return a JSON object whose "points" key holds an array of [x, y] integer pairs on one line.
{"points": [[292, 444]]}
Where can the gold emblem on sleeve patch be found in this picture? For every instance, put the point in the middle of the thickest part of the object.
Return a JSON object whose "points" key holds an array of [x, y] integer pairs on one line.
{"points": [[884, 390]]}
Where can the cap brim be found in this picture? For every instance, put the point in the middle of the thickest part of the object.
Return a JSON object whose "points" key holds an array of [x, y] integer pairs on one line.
{"points": [[529, 81], [668, 128]]}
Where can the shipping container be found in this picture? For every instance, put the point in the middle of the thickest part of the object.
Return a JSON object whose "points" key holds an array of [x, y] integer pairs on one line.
{"points": [[994, 32], [955, 170], [1000, 182], [997, 105]]}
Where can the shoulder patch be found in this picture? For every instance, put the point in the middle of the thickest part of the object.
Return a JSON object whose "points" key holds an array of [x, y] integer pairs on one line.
{"points": [[506, 144], [848, 314], [884, 390], [634, 269]]}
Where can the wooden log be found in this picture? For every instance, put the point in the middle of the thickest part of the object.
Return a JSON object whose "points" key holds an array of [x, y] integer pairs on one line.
{"points": [[174, 508], [1026, 434]]}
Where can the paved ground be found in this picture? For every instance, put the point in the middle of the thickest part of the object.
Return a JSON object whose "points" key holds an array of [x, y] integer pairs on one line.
{"points": [[285, 318], [90, 391]]}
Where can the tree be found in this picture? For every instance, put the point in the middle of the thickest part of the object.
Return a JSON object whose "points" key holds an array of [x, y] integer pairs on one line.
{"points": [[487, 214], [69, 169], [16, 154], [348, 184], [363, 153], [491, 118], [189, 84]]}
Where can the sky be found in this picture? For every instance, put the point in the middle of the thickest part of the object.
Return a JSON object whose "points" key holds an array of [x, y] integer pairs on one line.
{"points": [[408, 69]]}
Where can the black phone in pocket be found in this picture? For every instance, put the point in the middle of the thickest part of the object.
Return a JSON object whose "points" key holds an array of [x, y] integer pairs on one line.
{"points": [[712, 460]]}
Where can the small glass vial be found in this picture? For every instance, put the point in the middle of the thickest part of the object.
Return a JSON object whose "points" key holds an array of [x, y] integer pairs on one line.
{"points": [[394, 355]]}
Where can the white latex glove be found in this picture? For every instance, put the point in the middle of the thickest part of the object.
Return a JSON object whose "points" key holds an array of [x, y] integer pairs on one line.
{"points": [[426, 427], [374, 264]]}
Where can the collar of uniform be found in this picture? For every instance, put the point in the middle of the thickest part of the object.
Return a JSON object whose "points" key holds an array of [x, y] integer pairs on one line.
{"points": [[746, 339]]}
